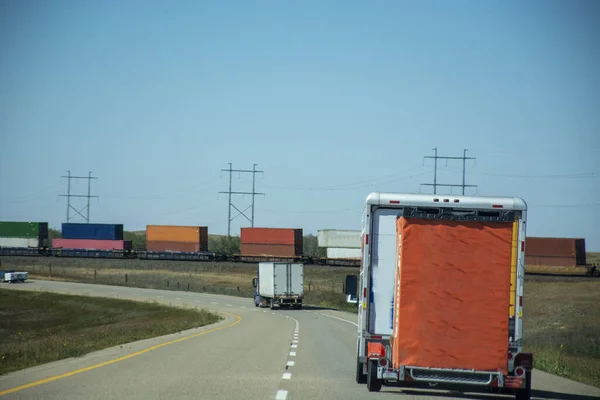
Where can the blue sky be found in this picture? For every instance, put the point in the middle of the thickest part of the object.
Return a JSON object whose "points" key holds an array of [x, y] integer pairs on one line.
{"points": [[333, 100]]}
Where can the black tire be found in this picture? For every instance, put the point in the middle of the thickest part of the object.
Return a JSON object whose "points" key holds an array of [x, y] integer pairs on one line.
{"points": [[373, 384], [525, 394]]}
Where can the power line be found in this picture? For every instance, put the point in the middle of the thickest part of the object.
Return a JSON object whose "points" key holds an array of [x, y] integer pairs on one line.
{"points": [[435, 157], [253, 171], [88, 196]]}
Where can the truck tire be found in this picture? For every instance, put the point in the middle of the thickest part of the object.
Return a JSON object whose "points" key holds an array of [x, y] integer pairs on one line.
{"points": [[525, 394], [374, 384], [360, 377]]}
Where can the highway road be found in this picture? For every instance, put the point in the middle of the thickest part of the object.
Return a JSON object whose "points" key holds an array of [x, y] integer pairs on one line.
{"points": [[253, 354]]}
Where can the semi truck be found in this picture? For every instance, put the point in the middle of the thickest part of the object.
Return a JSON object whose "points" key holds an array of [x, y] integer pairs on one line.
{"points": [[279, 284], [440, 292]]}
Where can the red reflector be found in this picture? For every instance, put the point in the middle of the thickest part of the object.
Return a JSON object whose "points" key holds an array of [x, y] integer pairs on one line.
{"points": [[436, 200], [394, 202], [364, 293], [510, 356], [456, 200], [376, 337], [446, 200], [520, 301], [523, 246], [367, 239], [497, 206]]}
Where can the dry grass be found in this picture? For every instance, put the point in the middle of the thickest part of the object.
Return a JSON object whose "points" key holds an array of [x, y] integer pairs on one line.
{"points": [[37, 328], [593, 258], [323, 285], [562, 327]]}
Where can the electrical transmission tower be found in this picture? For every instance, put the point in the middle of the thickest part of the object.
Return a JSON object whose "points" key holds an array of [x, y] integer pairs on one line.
{"points": [[253, 171], [88, 196], [464, 158]]}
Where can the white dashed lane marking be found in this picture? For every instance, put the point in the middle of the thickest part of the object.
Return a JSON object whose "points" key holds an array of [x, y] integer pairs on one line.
{"points": [[281, 395], [290, 363], [287, 375], [292, 354]]}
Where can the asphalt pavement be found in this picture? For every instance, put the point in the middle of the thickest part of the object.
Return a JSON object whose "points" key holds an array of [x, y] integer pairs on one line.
{"points": [[255, 353]]}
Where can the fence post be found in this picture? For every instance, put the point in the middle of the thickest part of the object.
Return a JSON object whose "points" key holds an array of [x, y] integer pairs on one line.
{"points": [[167, 283], [125, 278], [95, 272], [188, 287]]}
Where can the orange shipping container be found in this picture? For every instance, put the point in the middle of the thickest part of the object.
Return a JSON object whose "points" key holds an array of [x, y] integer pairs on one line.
{"points": [[183, 234], [451, 304], [271, 236]]}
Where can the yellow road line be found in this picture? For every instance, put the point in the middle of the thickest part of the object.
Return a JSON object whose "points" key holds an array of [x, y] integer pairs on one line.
{"points": [[78, 371]]}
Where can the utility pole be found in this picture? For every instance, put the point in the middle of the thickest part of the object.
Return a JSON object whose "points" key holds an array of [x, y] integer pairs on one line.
{"points": [[253, 171], [88, 196], [464, 158]]}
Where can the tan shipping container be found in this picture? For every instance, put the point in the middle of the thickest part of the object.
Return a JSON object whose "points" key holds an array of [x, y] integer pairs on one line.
{"points": [[174, 233]]}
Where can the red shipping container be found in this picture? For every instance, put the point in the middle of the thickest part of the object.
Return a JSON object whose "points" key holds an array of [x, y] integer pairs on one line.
{"points": [[91, 244], [271, 236], [269, 250], [173, 246], [547, 246], [550, 261]]}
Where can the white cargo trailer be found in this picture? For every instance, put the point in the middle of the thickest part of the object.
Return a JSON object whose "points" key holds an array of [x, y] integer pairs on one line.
{"points": [[343, 253], [279, 284], [432, 266], [339, 238]]}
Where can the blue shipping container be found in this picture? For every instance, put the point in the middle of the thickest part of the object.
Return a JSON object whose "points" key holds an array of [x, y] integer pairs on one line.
{"points": [[92, 231]]}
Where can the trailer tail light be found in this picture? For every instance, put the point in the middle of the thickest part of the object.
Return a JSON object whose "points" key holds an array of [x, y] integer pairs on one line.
{"points": [[456, 200], [394, 201], [510, 355], [519, 371], [382, 362], [497, 206]]}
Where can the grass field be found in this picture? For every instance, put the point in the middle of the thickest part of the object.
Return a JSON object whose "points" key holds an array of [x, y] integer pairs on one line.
{"points": [[562, 322], [37, 328], [323, 286], [562, 326]]}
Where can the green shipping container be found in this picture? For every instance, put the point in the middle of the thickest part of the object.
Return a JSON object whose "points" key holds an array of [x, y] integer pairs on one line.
{"points": [[30, 230]]}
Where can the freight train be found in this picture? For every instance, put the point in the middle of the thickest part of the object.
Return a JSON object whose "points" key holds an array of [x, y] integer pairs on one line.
{"points": [[163, 242]]}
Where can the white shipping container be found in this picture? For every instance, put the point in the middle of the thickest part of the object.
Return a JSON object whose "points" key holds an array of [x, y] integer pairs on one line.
{"points": [[343, 253], [339, 238], [19, 242]]}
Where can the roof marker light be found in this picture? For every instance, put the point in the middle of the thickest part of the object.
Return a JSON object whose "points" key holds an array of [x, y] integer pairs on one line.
{"points": [[446, 200], [436, 200]]}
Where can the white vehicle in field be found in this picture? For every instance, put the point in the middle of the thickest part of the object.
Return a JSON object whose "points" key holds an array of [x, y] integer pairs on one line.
{"points": [[440, 292]]}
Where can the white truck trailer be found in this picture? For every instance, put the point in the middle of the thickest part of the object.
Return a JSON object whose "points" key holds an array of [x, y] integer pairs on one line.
{"points": [[440, 292], [279, 284]]}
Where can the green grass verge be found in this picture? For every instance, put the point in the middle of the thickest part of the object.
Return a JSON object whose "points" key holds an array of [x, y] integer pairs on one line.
{"points": [[562, 328], [39, 327]]}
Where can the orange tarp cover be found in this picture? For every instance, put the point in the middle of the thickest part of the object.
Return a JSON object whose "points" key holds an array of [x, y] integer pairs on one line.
{"points": [[451, 301]]}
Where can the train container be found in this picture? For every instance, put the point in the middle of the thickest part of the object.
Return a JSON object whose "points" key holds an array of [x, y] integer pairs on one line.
{"points": [[182, 234], [343, 253], [550, 261], [339, 238], [19, 242], [29, 230], [92, 231], [288, 236], [548, 246], [91, 244], [269, 250], [158, 246]]}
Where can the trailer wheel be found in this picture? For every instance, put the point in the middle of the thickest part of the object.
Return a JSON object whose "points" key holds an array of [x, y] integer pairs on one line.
{"points": [[525, 394], [374, 384], [360, 377]]}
